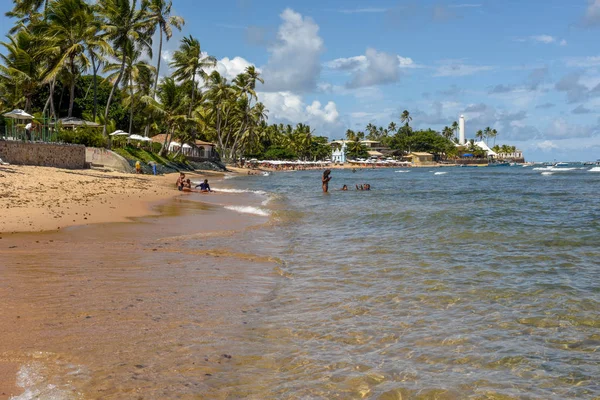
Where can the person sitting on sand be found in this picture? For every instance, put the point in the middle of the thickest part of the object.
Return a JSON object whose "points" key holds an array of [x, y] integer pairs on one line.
{"points": [[325, 180], [138, 167], [180, 181], [187, 184], [204, 186]]}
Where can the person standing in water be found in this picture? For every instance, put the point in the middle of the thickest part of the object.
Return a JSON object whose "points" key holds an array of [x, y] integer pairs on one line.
{"points": [[325, 180]]}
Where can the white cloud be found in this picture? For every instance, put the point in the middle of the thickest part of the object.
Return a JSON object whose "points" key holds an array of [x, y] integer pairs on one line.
{"points": [[458, 68], [592, 13], [372, 68], [167, 56], [294, 60], [583, 62], [545, 145], [230, 68], [288, 107], [544, 39]]}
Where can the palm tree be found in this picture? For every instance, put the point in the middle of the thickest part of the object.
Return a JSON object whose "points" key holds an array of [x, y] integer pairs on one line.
{"points": [[447, 132], [21, 70], [350, 135], [405, 117], [493, 134], [479, 135], [486, 133], [135, 71], [70, 29], [455, 128], [123, 23], [159, 14], [392, 127], [188, 62]]}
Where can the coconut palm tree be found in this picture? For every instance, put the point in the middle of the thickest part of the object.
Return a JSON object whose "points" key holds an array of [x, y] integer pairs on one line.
{"points": [[159, 15], [405, 117], [486, 133], [392, 127], [493, 134], [135, 72], [479, 135], [189, 61], [123, 22], [455, 128], [70, 30], [21, 69], [447, 132]]}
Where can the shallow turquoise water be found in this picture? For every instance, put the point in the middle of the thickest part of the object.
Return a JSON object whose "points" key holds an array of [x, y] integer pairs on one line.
{"points": [[438, 283]]}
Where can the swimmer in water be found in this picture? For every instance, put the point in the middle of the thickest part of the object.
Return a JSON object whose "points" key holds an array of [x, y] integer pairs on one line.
{"points": [[325, 180]]}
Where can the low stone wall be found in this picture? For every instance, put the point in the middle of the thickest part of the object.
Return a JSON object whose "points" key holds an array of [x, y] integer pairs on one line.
{"points": [[70, 156]]}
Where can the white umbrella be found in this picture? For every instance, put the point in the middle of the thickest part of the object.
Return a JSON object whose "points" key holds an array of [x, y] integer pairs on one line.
{"points": [[18, 114], [174, 144], [136, 137], [119, 133], [186, 146]]}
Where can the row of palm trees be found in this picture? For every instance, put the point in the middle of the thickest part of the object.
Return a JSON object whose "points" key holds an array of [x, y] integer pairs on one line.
{"points": [[59, 41]]}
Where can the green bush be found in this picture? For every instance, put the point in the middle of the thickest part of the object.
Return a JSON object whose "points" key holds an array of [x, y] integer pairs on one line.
{"points": [[90, 137], [279, 153]]}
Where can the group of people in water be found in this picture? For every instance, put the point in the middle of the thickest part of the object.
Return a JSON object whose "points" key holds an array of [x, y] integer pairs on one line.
{"points": [[327, 177], [185, 185]]}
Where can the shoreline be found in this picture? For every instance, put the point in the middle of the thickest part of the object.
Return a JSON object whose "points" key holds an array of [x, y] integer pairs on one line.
{"points": [[121, 279], [37, 199]]}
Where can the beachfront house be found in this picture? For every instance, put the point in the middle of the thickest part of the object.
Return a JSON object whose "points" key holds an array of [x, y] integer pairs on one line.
{"points": [[374, 148], [516, 156], [197, 151], [419, 158]]}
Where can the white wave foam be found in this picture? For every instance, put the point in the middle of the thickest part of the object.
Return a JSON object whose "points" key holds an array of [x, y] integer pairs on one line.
{"points": [[402, 172], [440, 173], [225, 190], [555, 169], [595, 169], [31, 378], [249, 210], [547, 173], [229, 176]]}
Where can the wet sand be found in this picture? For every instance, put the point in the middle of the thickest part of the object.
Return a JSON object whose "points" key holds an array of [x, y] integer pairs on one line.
{"points": [[128, 310]]}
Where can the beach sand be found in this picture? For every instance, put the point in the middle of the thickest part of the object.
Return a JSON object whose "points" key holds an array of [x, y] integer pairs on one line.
{"points": [[36, 199], [131, 309]]}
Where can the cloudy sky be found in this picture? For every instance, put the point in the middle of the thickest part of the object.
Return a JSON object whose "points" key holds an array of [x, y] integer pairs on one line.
{"points": [[530, 69]]}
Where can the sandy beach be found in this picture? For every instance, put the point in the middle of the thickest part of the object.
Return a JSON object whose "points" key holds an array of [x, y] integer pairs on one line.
{"points": [[101, 310], [34, 199]]}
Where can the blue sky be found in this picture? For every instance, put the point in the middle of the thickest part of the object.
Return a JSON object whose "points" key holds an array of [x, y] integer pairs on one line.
{"points": [[530, 69]]}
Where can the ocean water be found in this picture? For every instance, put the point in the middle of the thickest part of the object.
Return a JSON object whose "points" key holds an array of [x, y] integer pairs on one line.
{"points": [[455, 283]]}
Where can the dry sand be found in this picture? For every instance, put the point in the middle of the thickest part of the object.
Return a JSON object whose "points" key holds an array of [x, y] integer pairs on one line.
{"points": [[40, 199]]}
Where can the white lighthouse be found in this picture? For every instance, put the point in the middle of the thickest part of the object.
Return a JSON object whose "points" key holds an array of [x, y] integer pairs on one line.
{"points": [[461, 130]]}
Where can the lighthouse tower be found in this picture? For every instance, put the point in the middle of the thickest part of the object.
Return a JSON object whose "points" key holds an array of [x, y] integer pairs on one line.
{"points": [[461, 130]]}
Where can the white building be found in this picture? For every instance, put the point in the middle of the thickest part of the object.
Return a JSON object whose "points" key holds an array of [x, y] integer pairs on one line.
{"points": [[339, 155]]}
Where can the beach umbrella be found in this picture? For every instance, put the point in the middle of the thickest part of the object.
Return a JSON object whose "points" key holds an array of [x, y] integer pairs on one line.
{"points": [[18, 114], [136, 137], [119, 133], [186, 146], [146, 139]]}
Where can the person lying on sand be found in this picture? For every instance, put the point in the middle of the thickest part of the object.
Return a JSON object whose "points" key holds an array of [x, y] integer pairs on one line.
{"points": [[204, 186]]}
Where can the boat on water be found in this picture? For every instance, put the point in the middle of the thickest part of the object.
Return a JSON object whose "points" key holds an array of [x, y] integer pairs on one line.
{"points": [[499, 164], [561, 164]]}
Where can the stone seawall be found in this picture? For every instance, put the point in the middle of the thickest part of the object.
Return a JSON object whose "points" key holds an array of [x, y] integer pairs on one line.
{"points": [[70, 156]]}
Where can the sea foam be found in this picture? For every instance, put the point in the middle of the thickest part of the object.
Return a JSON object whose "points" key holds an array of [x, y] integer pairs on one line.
{"points": [[249, 210], [440, 173], [224, 190]]}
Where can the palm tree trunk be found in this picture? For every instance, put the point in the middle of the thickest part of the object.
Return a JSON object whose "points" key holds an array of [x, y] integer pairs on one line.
{"points": [[193, 94], [95, 70], [131, 105], [110, 96], [160, 43], [71, 97]]}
